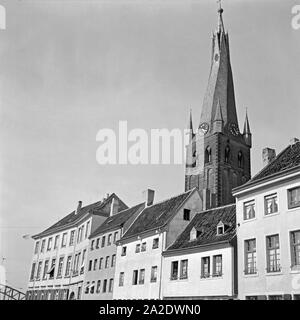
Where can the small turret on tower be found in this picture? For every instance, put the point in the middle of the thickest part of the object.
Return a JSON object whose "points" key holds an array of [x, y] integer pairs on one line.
{"points": [[247, 133]]}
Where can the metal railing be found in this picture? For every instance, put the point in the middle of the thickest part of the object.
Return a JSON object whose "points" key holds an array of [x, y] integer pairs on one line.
{"points": [[9, 293]]}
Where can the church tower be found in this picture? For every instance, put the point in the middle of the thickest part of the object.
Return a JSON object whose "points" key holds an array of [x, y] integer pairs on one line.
{"points": [[218, 154]]}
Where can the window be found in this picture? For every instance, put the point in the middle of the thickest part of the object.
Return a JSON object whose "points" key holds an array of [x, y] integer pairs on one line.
{"points": [[104, 285], [240, 160], [207, 157], [92, 245], [64, 240], [273, 253], [113, 260], [87, 229], [32, 271], [97, 243], [271, 205], [217, 266], [43, 245], [92, 290], [205, 267], [56, 241], [107, 262], [183, 269], [111, 285], [46, 265], [153, 274], [60, 267], [82, 261], [115, 236], [135, 277], [227, 154], [52, 269], [249, 210], [79, 234], [103, 242], [295, 248], [186, 214], [174, 270], [155, 243], [100, 263], [98, 286], [144, 247], [137, 248], [123, 253], [121, 279], [87, 287], [68, 266], [294, 198], [275, 297], [109, 239], [220, 229], [95, 264], [142, 276], [39, 269], [90, 265], [49, 246], [72, 237], [250, 256], [36, 249]]}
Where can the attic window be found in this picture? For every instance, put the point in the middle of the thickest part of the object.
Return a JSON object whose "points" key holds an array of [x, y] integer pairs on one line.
{"points": [[194, 234], [186, 214], [220, 229]]}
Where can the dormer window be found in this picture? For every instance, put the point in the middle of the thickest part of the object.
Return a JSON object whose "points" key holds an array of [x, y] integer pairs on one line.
{"points": [[195, 234], [220, 228]]}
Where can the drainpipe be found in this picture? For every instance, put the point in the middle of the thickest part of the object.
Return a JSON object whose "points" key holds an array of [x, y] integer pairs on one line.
{"points": [[161, 265]]}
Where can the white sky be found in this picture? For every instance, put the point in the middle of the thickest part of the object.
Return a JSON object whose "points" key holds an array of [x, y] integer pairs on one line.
{"points": [[70, 68]]}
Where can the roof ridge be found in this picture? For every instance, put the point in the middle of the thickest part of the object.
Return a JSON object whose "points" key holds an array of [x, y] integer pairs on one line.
{"points": [[216, 208], [116, 214]]}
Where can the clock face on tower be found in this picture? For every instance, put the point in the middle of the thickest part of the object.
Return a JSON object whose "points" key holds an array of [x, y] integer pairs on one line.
{"points": [[234, 129], [203, 128]]}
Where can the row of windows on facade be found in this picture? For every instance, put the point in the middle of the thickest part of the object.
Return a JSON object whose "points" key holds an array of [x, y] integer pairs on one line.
{"points": [[138, 276], [272, 253], [275, 297], [49, 270], [93, 264], [48, 294], [90, 287], [95, 244], [208, 156], [141, 247], [64, 239], [179, 269], [271, 203]]}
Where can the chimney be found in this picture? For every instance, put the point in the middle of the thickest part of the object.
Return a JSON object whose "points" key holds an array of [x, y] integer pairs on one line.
{"points": [[268, 155], [293, 141], [114, 207], [148, 196], [78, 207]]}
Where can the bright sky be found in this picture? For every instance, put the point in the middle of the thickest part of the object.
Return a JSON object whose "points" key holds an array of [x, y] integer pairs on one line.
{"points": [[70, 68]]}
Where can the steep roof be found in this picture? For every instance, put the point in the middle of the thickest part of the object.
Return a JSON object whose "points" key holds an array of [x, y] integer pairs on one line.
{"points": [[206, 223], [117, 220], [98, 208], [287, 159], [157, 215]]}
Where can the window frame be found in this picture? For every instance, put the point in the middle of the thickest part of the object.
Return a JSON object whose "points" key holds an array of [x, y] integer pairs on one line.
{"points": [[290, 204]]}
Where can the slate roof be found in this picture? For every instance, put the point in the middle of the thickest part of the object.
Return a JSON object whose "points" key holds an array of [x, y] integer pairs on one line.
{"points": [[117, 220], [206, 223], [72, 218], [287, 159], [157, 215]]}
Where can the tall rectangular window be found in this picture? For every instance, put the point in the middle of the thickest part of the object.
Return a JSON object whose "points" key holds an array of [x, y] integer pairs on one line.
{"points": [[68, 266], [64, 240], [39, 269], [184, 269], [107, 262], [46, 266], [60, 267], [273, 253], [250, 256], [294, 198], [186, 214], [100, 263], [95, 264], [49, 246], [52, 269], [123, 253], [295, 248], [135, 277], [90, 265], [174, 270], [104, 286], [87, 229], [115, 236], [249, 210], [155, 243], [153, 274], [217, 265], [271, 205], [137, 248], [98, 286], [36, 249], [97, 243], [56, 241], [111, 285], [32, 271], [205, 267], [142, 276], [144, 246], [121, 279], [113, 260], [109, 239], [103, 242], [92, 245], [43, 245], [72, 237]]}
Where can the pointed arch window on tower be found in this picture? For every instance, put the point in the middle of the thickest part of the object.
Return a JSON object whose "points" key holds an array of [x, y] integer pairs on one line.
{"points": [[207, 155], [240, 160], [227, 154]]}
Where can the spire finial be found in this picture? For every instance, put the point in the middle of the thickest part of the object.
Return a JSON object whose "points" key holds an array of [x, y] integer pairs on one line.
{"points": [[220, 22], [220, 6]]}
